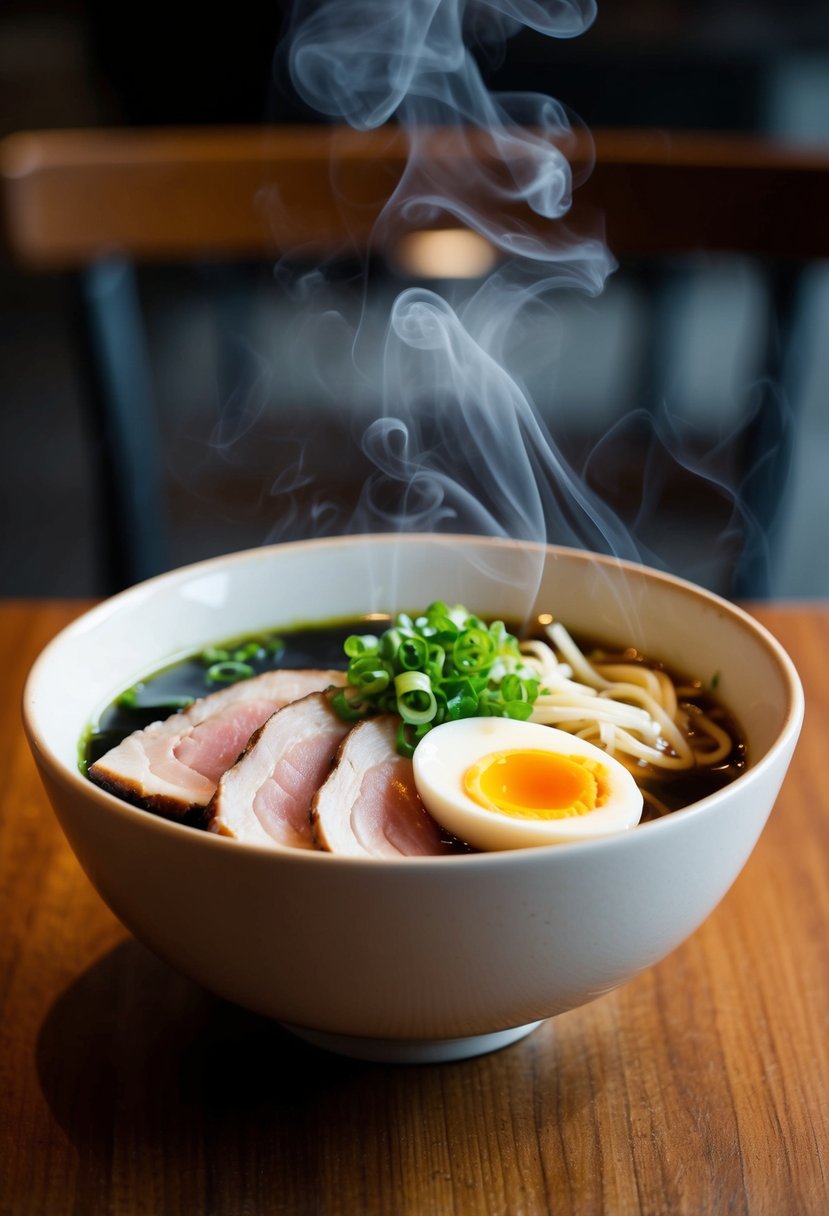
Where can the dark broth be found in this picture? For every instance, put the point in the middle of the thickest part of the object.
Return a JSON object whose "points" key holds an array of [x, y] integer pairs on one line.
{"points": [[670, 790], [322, 646], [308, 646]]}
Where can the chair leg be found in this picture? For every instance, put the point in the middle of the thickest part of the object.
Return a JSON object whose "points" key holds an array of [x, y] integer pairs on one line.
{"points": [[124, 420]]}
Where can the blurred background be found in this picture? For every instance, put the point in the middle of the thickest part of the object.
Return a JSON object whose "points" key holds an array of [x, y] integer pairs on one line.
{"points": [[234, 402]]}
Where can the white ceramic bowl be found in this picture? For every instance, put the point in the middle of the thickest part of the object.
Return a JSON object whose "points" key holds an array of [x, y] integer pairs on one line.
{"points": [[422, 958]]}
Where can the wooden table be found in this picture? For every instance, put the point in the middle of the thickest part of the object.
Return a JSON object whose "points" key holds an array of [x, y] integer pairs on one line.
{"points": [[701, 1087]]}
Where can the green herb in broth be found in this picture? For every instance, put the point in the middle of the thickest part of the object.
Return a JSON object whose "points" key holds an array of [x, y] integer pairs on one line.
{"points": [[177, 685], [223, 665]]}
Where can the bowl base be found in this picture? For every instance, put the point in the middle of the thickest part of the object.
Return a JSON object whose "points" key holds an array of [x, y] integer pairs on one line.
{"points": [[411, 1051]]}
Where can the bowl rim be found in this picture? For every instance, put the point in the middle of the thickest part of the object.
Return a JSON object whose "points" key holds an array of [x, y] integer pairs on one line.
{"points": [[71, 774]]}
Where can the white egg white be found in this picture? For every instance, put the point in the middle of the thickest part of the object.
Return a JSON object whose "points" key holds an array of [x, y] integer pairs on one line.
{"points": [[444, 755]]}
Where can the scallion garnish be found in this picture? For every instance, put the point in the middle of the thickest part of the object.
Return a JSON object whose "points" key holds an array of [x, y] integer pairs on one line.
{"points": [[437, 667], [131, 699], [227, 664], [228, 671]]}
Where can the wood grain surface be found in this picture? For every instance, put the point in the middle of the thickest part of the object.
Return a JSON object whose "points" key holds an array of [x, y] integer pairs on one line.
{"points": [[701, 1087]]}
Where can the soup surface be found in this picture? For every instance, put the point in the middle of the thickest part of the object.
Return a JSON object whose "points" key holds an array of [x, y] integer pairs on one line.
{"points": [[321, 646]]}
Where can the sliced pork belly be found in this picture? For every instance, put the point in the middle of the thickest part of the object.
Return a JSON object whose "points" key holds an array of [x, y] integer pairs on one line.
{"points": [[174, 766], [265, 798], [369, 805]]}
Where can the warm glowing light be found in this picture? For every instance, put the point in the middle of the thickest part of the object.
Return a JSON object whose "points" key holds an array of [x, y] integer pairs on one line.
{"points": [[445, 253]]}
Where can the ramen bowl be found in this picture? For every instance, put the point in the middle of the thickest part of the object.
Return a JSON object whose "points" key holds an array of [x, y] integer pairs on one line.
{"points": [[422, 958]]}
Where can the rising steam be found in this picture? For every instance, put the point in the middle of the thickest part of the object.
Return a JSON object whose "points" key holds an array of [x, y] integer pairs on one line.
{"points": [[460, 446]]}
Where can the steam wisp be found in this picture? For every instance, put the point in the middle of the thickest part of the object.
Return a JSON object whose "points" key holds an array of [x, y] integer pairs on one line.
{"points": [[460, 446], [429, 384]]}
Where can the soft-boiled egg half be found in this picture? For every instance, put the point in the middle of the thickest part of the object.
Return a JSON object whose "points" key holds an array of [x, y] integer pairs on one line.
{"points": [[502, 784]]}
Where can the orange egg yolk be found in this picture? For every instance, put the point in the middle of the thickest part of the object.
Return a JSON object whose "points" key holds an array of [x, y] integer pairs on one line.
{"points": [[535, 784]]}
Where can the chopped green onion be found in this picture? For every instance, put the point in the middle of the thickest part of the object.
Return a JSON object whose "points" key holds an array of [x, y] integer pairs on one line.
{"points": [[261, 646], [355, 647], [473, 650], [131, 699], [215, 654], [228, 672], [352, 710], [463, 704], [415, 700], [438, 666], [251, 650], [391, 641], [405, 741], [514, 688], [413, 654]]}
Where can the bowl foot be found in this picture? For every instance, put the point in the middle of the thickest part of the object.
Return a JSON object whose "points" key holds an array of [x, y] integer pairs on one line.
{"points": [[411, 1051]]}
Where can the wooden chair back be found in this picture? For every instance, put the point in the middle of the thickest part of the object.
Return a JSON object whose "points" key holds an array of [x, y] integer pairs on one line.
{"points": [[72, 196], [95, 203]]}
